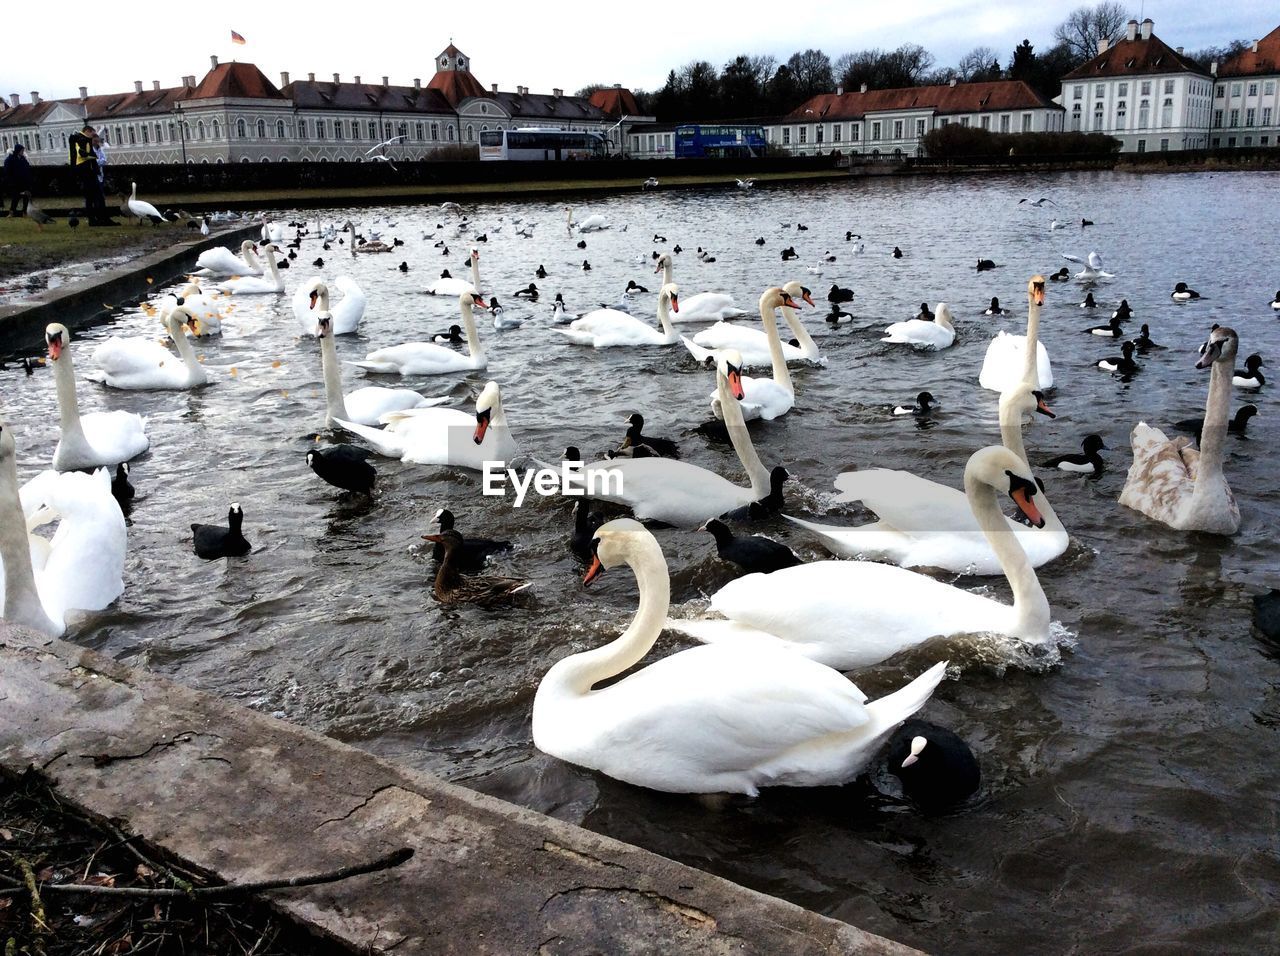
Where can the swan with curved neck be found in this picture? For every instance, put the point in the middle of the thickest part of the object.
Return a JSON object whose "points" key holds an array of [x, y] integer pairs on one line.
{"points": [[223, 262], [923, 523], [98, 438], [693, 722], [144, 364], [367, 405], [753, 344], [681, 494], [21, 603], [427, 358], [849, 614], [207, 317], [766, 398], [1016, 358], [1175, 484], [611, 328], [936, 333], [452, 287], [141, 208], [702, 307], [313, 298], [444, 436], [257, 285]]}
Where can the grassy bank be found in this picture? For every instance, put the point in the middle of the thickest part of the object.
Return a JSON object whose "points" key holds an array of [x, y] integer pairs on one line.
{"points": [[25, 247]]}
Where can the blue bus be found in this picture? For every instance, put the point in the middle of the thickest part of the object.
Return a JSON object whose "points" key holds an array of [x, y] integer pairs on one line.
{"points": [[719, 141], [535, 143]]}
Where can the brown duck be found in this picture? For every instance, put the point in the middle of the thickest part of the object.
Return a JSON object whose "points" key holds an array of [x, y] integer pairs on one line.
{"points": [[452, 588]]}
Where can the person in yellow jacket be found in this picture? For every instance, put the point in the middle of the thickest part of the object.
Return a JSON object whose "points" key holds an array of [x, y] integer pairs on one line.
{"points": [[85, 161]]}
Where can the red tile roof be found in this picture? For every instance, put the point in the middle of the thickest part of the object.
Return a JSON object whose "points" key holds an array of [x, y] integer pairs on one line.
{"points": [[238, 80], [25, 114], [1137, 57], [451, 50], [615, 101], [456, 85], [961, 98], [308, 94], [1266, 59]]}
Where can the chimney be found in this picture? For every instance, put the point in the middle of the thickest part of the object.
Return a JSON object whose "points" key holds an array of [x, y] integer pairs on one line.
{"points": [[189, 82], [1255, 47], [417, 82], [35, 96], [337, 78], [493, 87], [864, 88], [1144, 29], [284, 78], [1131, 30], [311, 77], [1213, 67], [137, 86], [84, 92], [839, 91], [155, 85], [213, 61], [1103, 43], [1178, 50], [385, 81], [557, 93], [13, 99], [357, 79], [617, 86], [953, 82]]}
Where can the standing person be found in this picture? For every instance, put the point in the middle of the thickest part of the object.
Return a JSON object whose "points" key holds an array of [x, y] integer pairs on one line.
{"points": [[85, 161], [18, 179]]}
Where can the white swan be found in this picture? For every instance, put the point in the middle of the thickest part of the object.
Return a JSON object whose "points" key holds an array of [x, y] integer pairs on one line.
{"points": [[849, 614], [141, 208], [681, 494], [610, 328], [454, 287], [1178, 485], [204, 309], [766, 398], [367, 405], [145, 364], [445, 436], [427, 358], [702, 307], [257, 285], [1092, 270], [223, 262], [753, 344], [314, 295], [594, 223], [271, 231], [99, 438], [708, 719], [80, 568], [925, 524], [937, 334], [1008, 359]]}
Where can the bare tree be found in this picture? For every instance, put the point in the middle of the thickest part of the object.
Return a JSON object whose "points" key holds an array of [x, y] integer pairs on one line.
{"points": [[763, 67], [1085, 26], [980, 63], [812, 71]]}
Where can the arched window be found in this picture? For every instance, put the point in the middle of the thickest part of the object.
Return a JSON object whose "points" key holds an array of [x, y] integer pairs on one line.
{"points": [[279, 129], [266, 159], [217, 130], [245, 159], [199, 129], [240, 132], [471, 133], [218, 161], [205, 161], [262, 129], [449, 135]]}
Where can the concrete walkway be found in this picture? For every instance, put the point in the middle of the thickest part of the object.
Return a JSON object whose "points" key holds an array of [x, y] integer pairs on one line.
{"points": [[247, 797]]}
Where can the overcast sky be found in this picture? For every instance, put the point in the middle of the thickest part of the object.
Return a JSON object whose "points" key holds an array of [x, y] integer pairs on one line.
{"points": [[107, 45]]}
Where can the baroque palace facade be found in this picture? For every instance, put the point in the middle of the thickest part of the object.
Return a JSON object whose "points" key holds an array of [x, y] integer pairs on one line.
{"points": [[236, 115]]}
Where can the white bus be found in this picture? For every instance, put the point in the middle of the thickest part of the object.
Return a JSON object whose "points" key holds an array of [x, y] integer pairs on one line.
{"points": [[541, 144]]}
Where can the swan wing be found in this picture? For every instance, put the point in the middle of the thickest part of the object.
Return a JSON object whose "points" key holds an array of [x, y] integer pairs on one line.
{"points": [[415, 358], [367, 405], [134, 363], [1002, 366], [385, 443], [664, 489], [84, 569], [707, 307], [1161, 477], [114, 437], [906, 502], [348, 313]]}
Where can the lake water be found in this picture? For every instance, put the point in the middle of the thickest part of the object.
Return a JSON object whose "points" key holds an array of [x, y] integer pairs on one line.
{"points": [[1129, 791]]}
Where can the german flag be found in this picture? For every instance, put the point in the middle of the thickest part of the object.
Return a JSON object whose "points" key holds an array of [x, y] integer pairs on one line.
{"points": [[237, 38]]}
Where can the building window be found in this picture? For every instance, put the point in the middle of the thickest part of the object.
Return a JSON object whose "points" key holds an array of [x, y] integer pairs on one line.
{"points": [[920, 124], [1146, 87], [1266, 116], [386, 130], [1221, 92], [1026, 122], [817, 135], [471, 133], [159, 132], [897, 129], [875, 131], [1235, 118], [1217, 118], [1077, 93], [1075, 118], [1004, 123], [1253, 89], [373, 130], [1166, 112], [133, 139], [1097, 119], [217, 130], [261, 128], [337, 129], [449, 133], [1123, 90], [985, 122], [1144, 114], [837, 131], [1168, 87], [964, 121], [804, 135], [319, 129], [279, 129], [855, 133], [1265, 140], [146, 134], [1231, 140], [302, 129], [1142, 145], [1249, 116], [1269, 88], [1164, 146], [1120, 114], [355, 129], [417, 132], [1248, 140], [435, 132], [786, 136]]}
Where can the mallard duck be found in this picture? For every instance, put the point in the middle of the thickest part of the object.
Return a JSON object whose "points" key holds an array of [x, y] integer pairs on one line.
{"points": [[472, 553], [452, 588]]}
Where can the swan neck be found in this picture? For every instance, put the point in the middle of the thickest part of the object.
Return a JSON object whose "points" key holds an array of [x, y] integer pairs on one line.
{"points": [[807, 346], [474, 348], [335, 404], [22, 603], [781, 374], [1030, 606], [1216, 414], [736, 426], [195, 370], [475, 274], [667, 272], [581, 671], [68, 404], [1031, 354]]}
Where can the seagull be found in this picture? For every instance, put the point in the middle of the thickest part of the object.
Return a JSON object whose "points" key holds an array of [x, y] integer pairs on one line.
{"points": [[746, 183], [387, 160], [391, 142], [651, 183], [1092, 267], [1038, 202]]}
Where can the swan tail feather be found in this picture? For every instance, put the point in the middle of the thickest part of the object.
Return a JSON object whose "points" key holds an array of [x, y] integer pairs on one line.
{"points": [[384, 443], [698, 352], [716, 632], [893, 709], [376, 366]]}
